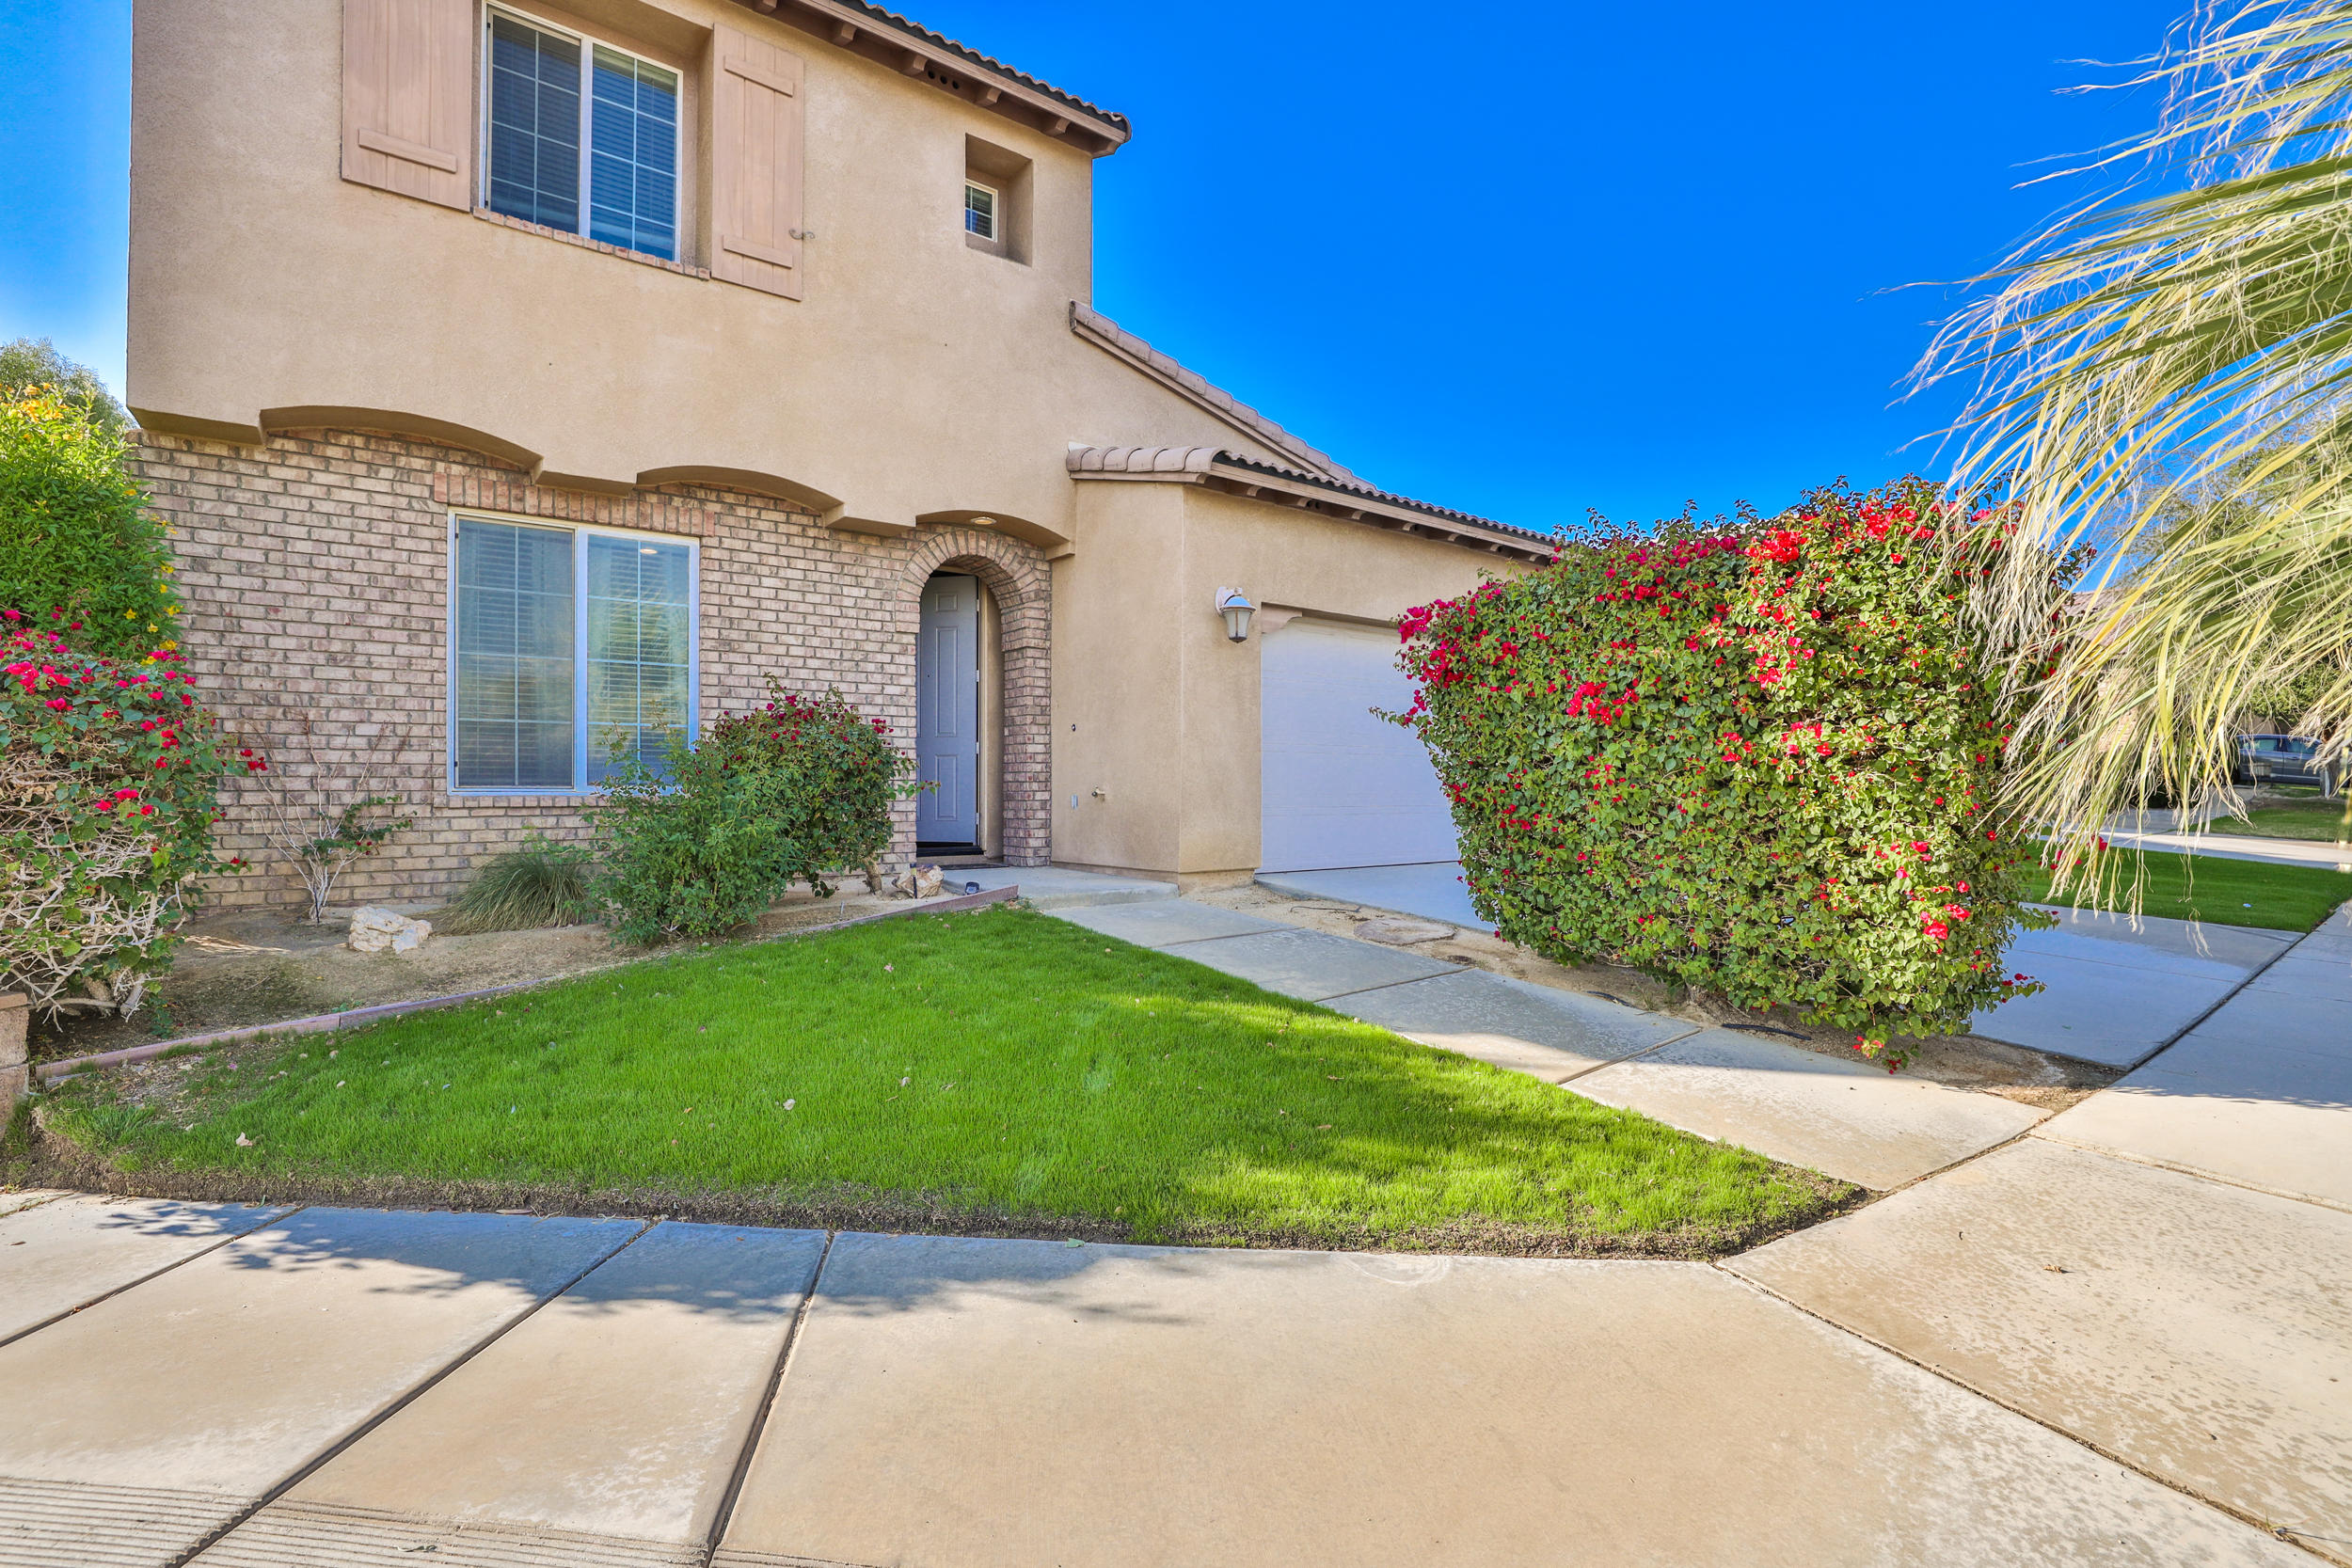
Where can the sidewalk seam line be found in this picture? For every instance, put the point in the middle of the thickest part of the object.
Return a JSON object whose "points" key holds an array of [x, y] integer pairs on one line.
{"points": [[1955, 1381], [1635, 1055], [102, 1299], [725, 1514], [336, 1448], [2226, 997], [2200, 1173], [1389, 985]]}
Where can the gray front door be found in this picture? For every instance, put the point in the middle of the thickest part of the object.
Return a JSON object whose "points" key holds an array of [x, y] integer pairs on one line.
{"points": [[947, 712]]}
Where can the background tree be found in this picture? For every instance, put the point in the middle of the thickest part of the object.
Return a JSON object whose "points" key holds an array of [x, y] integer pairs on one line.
{"points": [[30, 364], [2169, 377], [80, 550]]}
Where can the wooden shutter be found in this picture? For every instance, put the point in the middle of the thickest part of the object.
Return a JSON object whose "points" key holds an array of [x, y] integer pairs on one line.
{"points": [[409, 96], [755, 163]]}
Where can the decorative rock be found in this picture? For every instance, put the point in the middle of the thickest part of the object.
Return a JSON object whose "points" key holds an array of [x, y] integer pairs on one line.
{"points": [[923, 882], [376, 930], [1399, 932]]}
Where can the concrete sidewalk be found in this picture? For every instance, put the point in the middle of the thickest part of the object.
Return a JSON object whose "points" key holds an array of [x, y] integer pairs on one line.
{"points": [[2124, 988], [2259, 1094], [350, 1387]]}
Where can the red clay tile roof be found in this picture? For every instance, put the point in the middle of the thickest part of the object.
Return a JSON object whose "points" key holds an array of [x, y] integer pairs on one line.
{"points": [[973, 57], [1204, 461]]}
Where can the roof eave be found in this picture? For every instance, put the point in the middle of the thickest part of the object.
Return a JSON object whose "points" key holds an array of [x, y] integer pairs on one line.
{"points": [[888, 38], [1227, 477]]}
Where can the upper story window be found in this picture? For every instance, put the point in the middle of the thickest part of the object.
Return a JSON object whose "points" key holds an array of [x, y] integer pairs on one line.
{"points": [[577, 127], [979, 211]]}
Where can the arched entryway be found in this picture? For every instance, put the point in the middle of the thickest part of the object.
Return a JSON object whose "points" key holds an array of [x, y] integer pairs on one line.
{"points": [[975, 615]]}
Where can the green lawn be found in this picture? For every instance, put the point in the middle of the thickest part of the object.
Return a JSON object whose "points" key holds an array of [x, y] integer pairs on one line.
{"points": [[2225, 891], [1000, 1068], [2306, 817]]}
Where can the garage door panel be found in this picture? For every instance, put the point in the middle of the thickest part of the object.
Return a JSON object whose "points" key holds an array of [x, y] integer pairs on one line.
{"points": [[1342, 787]]}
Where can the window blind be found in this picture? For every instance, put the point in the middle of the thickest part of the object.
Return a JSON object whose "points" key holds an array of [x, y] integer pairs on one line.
{"points": [[638, 652], [632, 182], [534, 124], [515, 667]]}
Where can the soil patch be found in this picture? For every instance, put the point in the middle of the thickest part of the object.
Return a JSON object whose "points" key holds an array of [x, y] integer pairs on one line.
{"points": [[244, 967]]}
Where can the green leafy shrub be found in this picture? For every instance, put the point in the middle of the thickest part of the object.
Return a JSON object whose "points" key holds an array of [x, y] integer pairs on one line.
{"points": [[795, 790], [1758, 759], [108, 778], [79, 550], [543, 883]]}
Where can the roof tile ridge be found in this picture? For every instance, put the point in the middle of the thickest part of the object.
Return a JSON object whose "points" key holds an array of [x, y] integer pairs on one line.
{"points": [[1086, 319], [1084, 458], [908, 24], [1374, 492]]}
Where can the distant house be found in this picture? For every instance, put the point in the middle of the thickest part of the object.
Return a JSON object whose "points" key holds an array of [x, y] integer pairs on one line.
{"points": [[528, 381]]}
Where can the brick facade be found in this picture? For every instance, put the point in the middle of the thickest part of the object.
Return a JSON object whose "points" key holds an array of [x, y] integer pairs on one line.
{"points": [[314, 577]]}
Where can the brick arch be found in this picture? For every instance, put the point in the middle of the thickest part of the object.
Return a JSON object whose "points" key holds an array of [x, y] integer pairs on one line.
{"points": [[1021, 584]]}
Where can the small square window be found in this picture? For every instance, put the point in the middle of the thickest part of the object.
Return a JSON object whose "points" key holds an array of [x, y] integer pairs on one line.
{"points": [[980, 210]]}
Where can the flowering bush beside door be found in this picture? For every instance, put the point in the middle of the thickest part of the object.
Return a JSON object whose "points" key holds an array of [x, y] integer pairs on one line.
{"points": [[797, 789], [108, 777], [1758, 759]]}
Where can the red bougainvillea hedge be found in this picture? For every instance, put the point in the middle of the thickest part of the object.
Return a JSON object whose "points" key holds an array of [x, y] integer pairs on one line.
{"points": [[1758, 759]]}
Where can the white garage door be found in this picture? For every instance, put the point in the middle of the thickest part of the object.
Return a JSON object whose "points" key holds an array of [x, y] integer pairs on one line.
{"points": [[1342, 787]]}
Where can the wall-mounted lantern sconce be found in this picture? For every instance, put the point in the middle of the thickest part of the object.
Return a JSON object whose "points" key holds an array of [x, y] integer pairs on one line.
{"points": [[1237, 608]]}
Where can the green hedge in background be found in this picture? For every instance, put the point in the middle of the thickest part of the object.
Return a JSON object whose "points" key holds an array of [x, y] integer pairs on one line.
{"points": [[1758, 759], [80, 553]]}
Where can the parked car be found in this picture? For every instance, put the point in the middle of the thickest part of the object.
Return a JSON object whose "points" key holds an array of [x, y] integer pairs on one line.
{"points": [[2285, 759]]}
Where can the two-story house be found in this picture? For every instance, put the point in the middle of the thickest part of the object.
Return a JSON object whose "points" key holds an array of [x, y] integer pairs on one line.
{"points": [[526, 381]]}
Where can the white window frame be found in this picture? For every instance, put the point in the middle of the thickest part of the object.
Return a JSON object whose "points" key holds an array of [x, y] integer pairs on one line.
{"points": [[588, 44], [995, 235], [581, 533]]}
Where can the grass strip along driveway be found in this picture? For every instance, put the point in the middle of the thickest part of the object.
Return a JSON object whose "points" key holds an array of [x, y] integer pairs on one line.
{"points": [[2305, 815], [1003, 1070], [2223, 892]]}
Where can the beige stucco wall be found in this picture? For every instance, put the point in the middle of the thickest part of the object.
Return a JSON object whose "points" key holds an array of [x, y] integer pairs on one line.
{"points": [[917, 378], [1164, 707], [917, 375]]}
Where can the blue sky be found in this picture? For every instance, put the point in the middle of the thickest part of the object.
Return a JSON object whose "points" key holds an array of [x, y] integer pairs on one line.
{"points": [[1527, 262]]}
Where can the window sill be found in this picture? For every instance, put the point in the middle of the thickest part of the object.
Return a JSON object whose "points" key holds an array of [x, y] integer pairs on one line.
{"points": [[486, 215], [997, 248], [552, 798]]}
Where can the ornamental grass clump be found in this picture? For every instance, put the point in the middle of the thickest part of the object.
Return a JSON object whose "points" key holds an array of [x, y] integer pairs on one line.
{"points": [[1758, 759], [542, 884], [108, 778], [798, 789]]}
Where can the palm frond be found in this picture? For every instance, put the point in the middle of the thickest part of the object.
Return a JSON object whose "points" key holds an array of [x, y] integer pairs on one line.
{"points": [[2170, 378]]}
